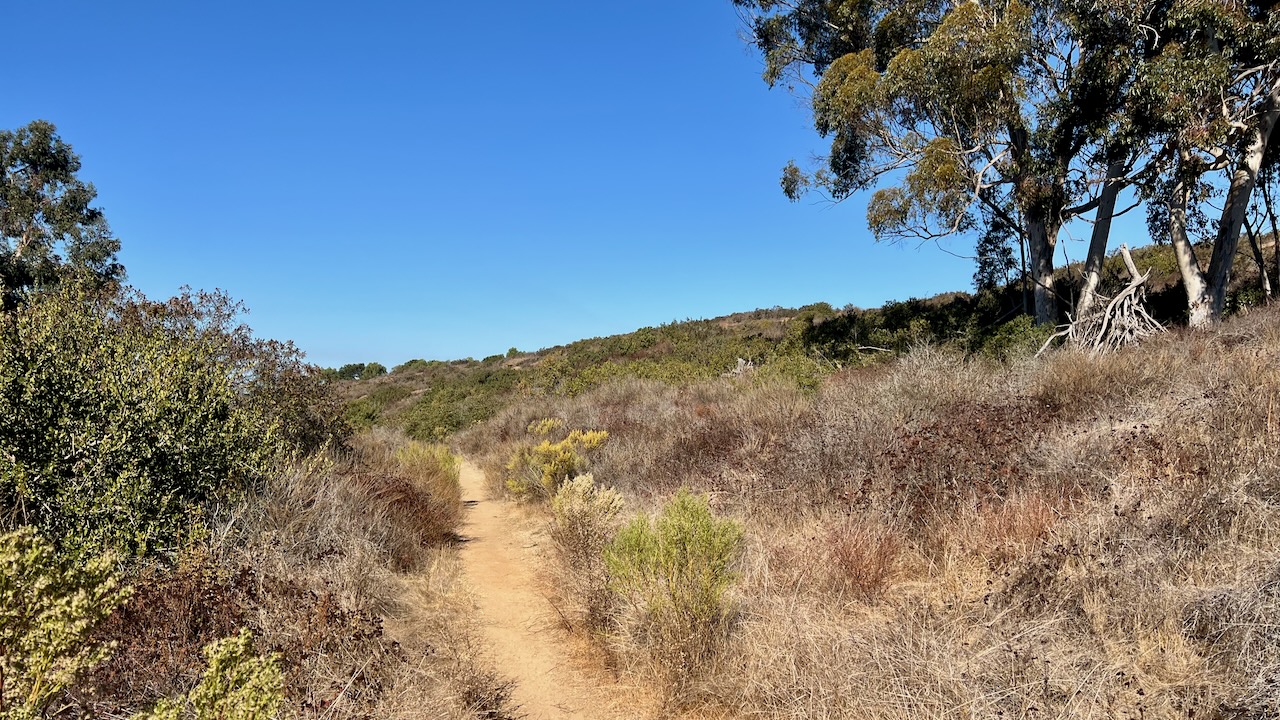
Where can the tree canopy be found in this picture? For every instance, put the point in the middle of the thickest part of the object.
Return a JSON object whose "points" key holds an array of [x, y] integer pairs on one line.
{"points": [[48, 224], [1025, 114], [1002, 107]]}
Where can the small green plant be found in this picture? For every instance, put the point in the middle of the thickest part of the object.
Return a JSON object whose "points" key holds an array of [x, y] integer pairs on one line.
{"points": [[1018, 337], [675, 570], [541, 468], [50, 606], [238, 685]]}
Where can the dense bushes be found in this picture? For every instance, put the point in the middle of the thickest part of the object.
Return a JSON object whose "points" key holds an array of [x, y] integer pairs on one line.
{"points": [[538, 470], [118, 426], [954, 535]]}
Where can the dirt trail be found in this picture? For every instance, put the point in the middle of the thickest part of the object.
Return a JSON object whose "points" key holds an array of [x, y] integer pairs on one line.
{"points": [[529, 642]]}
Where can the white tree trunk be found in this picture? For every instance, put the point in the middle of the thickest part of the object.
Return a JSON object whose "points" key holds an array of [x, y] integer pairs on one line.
{"points": [[1243, 181], [1188, 265], [1041, 239], [1101, 234]]}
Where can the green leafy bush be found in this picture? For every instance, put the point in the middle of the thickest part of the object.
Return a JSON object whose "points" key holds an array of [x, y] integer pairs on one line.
{"points": [[238, 685], [50, 606], [675, 571], [121, 419], [1018, 337]]}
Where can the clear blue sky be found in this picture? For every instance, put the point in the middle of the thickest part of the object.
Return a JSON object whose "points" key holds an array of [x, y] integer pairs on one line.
{"points": [[384, 181]]}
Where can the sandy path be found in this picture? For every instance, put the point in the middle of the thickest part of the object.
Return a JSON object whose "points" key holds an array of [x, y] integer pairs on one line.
{"points": [[528, 640]]}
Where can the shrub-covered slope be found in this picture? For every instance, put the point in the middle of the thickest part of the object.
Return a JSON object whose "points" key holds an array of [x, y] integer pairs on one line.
{"points": [[943, 535]]}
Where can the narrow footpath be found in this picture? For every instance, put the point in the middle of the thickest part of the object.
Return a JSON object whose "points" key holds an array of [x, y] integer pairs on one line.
{"points": [[526, 635]]}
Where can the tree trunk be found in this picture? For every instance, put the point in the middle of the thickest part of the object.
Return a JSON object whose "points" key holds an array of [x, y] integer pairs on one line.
{"points": [[1041, 239], [1101, 234], [1259, 259], [1022, 281], [1243, 180], [1188, 264], [1271, 215]]}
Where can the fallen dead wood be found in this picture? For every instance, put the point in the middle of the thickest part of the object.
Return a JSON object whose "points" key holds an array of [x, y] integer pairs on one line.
{"points": [[1123, 321]]}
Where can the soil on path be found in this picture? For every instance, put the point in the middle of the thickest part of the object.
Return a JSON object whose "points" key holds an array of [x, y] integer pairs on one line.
{"points": [[529, 642]]}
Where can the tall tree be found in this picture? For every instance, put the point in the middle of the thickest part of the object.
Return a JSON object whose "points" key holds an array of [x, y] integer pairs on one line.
{"points": [[960, 102], [1210, 93], [48, 225]]}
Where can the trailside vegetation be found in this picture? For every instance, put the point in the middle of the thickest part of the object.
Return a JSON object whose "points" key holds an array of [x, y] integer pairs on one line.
{"points": [[188, 525]]}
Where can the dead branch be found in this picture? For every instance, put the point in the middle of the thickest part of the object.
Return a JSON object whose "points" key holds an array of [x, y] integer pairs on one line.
{"points": [[1123, 321]]}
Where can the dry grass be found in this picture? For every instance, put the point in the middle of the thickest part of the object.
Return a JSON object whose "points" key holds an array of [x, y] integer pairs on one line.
{"points": [[945, 537], [342, 566]]}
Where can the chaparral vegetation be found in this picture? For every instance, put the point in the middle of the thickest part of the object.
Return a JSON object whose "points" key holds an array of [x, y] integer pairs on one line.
{"points": [[1057, 496]]}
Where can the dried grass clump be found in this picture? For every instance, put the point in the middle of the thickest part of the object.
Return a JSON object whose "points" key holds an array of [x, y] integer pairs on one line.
{"points": [[584, 519], [863, 555]]}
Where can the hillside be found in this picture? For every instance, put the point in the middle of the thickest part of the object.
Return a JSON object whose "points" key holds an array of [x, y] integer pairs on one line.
{"points": [[941, 535], [432, 399]]}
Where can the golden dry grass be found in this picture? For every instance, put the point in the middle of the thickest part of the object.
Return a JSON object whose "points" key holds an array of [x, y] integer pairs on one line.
{"points": [[946, 537]]}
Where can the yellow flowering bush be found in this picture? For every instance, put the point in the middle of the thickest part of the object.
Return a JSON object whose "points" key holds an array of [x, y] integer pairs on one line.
{"points": [[541, 469]]}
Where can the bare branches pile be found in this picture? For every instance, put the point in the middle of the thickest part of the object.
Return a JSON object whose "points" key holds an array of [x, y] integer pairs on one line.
{"points": [[1123, 321]]}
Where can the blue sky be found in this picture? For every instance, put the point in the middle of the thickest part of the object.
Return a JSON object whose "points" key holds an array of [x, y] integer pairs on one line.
{"points": [[384, 181]]}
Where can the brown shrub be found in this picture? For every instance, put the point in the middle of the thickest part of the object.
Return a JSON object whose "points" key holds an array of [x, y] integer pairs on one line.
{"points": [[333, 552], [863, 553]]}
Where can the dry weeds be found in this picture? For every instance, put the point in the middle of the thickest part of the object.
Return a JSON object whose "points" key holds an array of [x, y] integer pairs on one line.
{"points": [[341, 566], [942, 537]]}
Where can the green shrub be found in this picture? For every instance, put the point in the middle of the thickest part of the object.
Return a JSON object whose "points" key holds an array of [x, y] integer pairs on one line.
{"points": [[805, 372], [1018, 337], [121, 419], [238, 685], [415, 364], [365, 412], [540, 469], [675, 571], [50, 606]]}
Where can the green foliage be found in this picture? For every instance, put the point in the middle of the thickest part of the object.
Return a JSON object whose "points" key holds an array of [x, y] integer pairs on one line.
{"points": [[363, 413], [357, 371], [50, 605], [48, 228], [676, 569], [805, 372], [1018, 337], [121, 419], [238, 685], [539, 470], [415, 364], [457, 398]]}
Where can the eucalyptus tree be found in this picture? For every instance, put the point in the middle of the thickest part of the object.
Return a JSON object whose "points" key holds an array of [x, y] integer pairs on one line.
{"points": [[48, 224], [1210, 93], [1007, 105]]}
